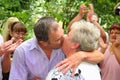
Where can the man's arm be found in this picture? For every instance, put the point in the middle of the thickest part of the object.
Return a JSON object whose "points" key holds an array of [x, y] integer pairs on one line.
{"points": [[73, 61], [94, 57], [18, 67]]}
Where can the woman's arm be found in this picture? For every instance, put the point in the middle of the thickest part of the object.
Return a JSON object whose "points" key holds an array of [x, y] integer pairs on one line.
{"points": [[73, 61], [116, 49], [79, 16]]}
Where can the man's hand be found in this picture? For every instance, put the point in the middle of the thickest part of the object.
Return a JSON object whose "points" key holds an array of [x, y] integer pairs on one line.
{"points": [[36, 78], [71, 62], [74, 60]]}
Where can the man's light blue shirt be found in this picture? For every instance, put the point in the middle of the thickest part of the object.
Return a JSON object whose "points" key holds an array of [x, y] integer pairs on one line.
{"points": [[29, 61]]}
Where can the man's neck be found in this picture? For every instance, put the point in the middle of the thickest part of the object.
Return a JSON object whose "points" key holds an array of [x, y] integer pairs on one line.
{"points": [[47, 50]]}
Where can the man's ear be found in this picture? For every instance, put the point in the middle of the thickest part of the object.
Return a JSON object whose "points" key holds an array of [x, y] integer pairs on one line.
{"points": [[43, 43]]}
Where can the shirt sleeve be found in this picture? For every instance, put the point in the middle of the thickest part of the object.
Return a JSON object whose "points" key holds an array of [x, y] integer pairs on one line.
{"points": [[18, 67]]}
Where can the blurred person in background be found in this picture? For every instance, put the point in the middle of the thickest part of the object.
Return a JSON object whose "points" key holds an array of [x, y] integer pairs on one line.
{"points": [[117, 9], [110, 66], [13, 29]]}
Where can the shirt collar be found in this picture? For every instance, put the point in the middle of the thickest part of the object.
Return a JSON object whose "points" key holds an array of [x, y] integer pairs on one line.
{"points": [[34, 44]]}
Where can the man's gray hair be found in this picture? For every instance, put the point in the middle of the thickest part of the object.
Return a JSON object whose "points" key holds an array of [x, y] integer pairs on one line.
{"points": [[85, 33]]}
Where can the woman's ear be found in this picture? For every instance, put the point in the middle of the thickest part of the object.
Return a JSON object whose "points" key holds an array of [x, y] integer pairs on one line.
{"points": [[76, 45]]}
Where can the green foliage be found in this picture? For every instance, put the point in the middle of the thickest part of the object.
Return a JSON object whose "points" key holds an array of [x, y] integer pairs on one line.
{"points": [[19, 9], [29, 11], [65, 10], [62, 10], [105, 10]]}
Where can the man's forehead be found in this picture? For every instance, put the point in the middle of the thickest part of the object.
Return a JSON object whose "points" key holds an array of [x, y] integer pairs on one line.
{"points": [[56, 25]]}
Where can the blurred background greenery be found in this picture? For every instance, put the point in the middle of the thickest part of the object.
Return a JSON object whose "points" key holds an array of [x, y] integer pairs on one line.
{"points": [[29, 11]]}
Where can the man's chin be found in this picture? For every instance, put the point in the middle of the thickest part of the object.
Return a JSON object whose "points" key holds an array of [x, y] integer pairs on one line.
{"points": [[56, 47]]}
